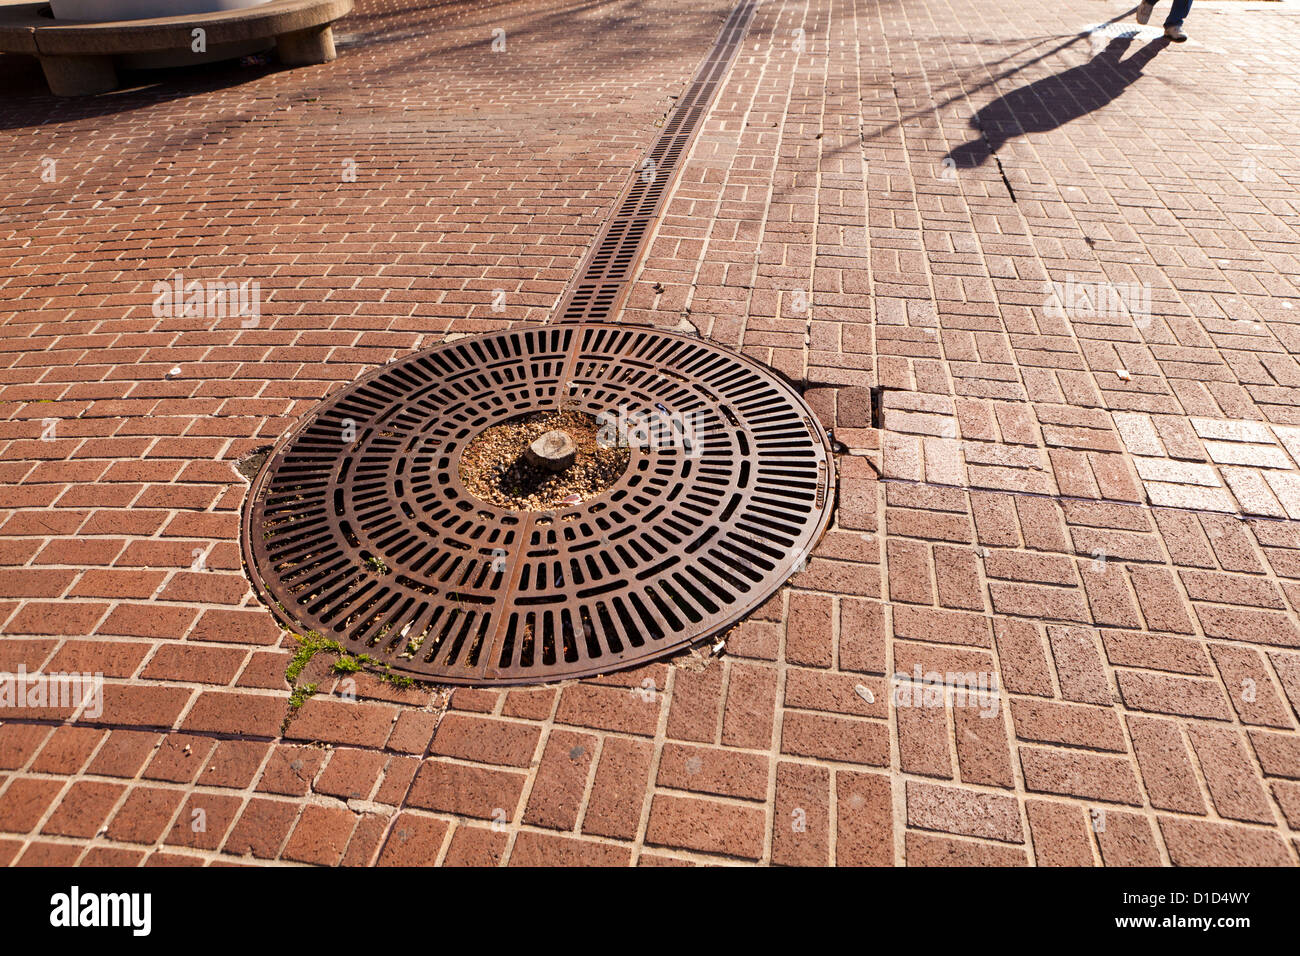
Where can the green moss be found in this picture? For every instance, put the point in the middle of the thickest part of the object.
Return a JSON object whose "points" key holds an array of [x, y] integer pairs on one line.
{"points": [[400, 681], [347, 663], [308, 647], [301, 695]]}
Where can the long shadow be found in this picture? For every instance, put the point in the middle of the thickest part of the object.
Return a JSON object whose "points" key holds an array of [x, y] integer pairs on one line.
{"points": [[1053, 101]]}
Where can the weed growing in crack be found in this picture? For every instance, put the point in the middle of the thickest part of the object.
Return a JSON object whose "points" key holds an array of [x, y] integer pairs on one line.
{"points": [[301, 695], [307, 648], [347, 663]]}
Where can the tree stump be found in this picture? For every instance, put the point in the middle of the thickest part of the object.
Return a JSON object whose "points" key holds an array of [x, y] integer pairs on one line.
{"points": [[552, 451]]}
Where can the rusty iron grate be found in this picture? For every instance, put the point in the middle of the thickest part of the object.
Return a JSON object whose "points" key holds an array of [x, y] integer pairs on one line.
{"points": [[597, 292], [358, 525]]}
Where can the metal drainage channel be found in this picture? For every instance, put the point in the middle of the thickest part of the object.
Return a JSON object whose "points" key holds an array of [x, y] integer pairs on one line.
{"points": [[602, 280], [359, 527]]}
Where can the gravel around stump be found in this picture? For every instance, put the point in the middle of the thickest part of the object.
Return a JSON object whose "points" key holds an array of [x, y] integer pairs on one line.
{"points": [[496, 469]]}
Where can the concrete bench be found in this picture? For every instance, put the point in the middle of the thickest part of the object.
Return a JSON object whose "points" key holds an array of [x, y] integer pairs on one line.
{"points": [[77, 55]]}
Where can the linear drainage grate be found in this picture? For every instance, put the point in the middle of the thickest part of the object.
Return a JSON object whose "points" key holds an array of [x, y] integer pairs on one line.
{"points": [[598, 290], [359, 526]]}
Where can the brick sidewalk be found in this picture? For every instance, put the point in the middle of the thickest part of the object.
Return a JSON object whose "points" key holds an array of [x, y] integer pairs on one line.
{"points": [[1084, 313]]}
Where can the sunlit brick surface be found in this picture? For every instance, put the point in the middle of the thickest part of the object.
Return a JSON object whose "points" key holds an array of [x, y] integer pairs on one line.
{"points": [[1080, 506]]}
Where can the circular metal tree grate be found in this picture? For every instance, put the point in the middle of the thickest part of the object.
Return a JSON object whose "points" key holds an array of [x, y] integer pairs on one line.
{"points": [[359, 527]]}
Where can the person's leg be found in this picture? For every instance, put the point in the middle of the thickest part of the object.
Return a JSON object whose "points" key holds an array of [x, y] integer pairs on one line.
{"points": [[1178, 13]]}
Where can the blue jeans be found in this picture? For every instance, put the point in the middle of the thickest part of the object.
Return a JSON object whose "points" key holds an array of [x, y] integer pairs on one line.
{"points": [[1178, 13]]}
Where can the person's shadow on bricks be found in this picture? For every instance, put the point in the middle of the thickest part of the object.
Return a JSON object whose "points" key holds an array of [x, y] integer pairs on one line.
{"points": [[1054, 100]]}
